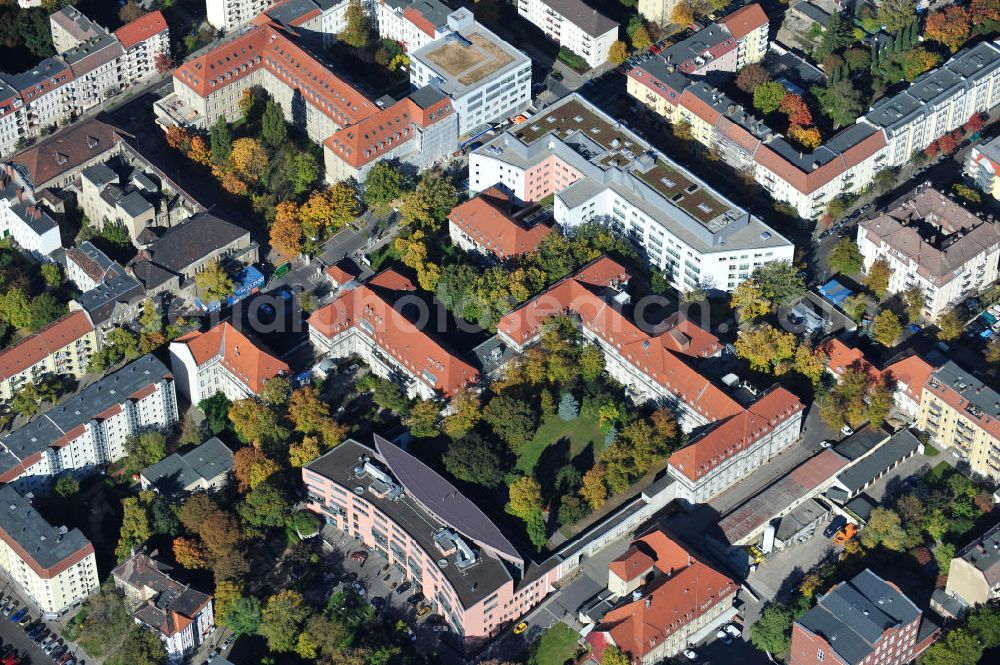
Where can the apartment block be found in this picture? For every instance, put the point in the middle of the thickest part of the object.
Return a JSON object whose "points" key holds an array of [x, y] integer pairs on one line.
{"points": [[574, 25], [183, 617], [397, 506], [365, 321], [938, 102], [92, 65], [61, 348], [224, 360], [228, 15], [865, 620], [599, 171], [412, 23], [22, 218], [679, 597], [960, 411], [105, 200], [485, 77], [89, 429], [53, 567], [660, 12], [933, 243], [982, 167]]}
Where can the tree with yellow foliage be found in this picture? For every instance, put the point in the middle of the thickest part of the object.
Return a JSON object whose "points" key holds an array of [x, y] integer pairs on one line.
{"points": [[189, 553], [525, 497], [765, 347], [300, 454], [198, 152], [213, 282], [250, 158], [683, 14], [286, 231], [252, 467], [618, 52], [593, 490]]}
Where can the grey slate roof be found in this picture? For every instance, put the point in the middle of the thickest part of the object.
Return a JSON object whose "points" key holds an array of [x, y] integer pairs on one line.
{"points": [[142, 573], [47, 429], [979, 395], [117, 288], [134, 204], [984, 554], [853, 616], [900, 446], [22, 524], [192, 241], [862, 505], [183, 472], [583, 16], [100, 175], [471, 585], [861, 442], [43, 71]]}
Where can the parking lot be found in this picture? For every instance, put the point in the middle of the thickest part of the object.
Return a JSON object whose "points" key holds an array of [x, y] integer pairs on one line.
{"points": [[388, 591], [15, 638]]}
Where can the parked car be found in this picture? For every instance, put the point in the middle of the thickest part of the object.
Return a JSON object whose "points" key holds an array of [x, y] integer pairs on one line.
{"points": [[845, 534], [360, 557], [359, 588], [520, 628], [835, 525], [423, 611], [690, 654], [439, 628], [723, 637], [378, 603], [25, 620], [733, 630], [414, 599], [403, 588], [846, 430], [348, 577], [17, 616]]}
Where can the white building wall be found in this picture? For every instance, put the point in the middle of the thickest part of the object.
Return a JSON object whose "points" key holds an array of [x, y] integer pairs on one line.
{"points": [[228, 15]]}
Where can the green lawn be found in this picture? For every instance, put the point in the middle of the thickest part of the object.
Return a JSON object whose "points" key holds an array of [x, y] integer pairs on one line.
{"points": [[557, 646], [581, 433]]}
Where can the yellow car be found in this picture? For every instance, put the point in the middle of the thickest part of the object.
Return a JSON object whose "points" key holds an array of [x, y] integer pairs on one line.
{"points": [[423, 611], [520, 628]]}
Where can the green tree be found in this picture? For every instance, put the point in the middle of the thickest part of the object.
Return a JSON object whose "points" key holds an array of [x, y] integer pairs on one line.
{"points": [[282, 619], [422, 419], [915, 301], [221, 141], [886, 328], [767, 96], [841, 102], [838, 35], [383, 185], [846, 257], [474, 459], [305, 171], [749, 301], [273, 129], [943, 554], [569, 408], [244, 616], [896, 14], [884, 528], [265, 507], [15, 308], [135, 529], [772, 632], [525, 497], [52, 275], [216, 410], [67, 486], [780, 282], [438, 192], [959, 647], [140, 647], [984, 623], [145, 449], [511, 419], [45, 308]]}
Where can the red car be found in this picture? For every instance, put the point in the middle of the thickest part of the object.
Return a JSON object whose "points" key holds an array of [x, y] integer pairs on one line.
{"points": [[360, 557], [11, 659]]}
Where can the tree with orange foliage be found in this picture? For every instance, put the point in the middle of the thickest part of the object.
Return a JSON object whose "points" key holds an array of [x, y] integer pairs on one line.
{"points": [[795, 108], [975, 123], [593, 490], [807, 137], [947, 143], [329, 208], [189, 553], [252, 467], [199, 152], [178, 138], [950, 26], [984, 11], [163, 62], [250, 158], [286, 231], [232, 183]]}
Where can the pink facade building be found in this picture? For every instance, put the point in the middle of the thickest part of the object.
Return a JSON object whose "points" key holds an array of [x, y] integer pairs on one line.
{"points": [[404, 511]]}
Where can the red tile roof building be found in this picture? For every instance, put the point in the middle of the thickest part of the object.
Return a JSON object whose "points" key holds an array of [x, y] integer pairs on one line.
{"points": [[684, 597], [63, 347], [365, 321], [354, 130], [907, 373], [224, 360], [489, 225], [653, 552]]}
